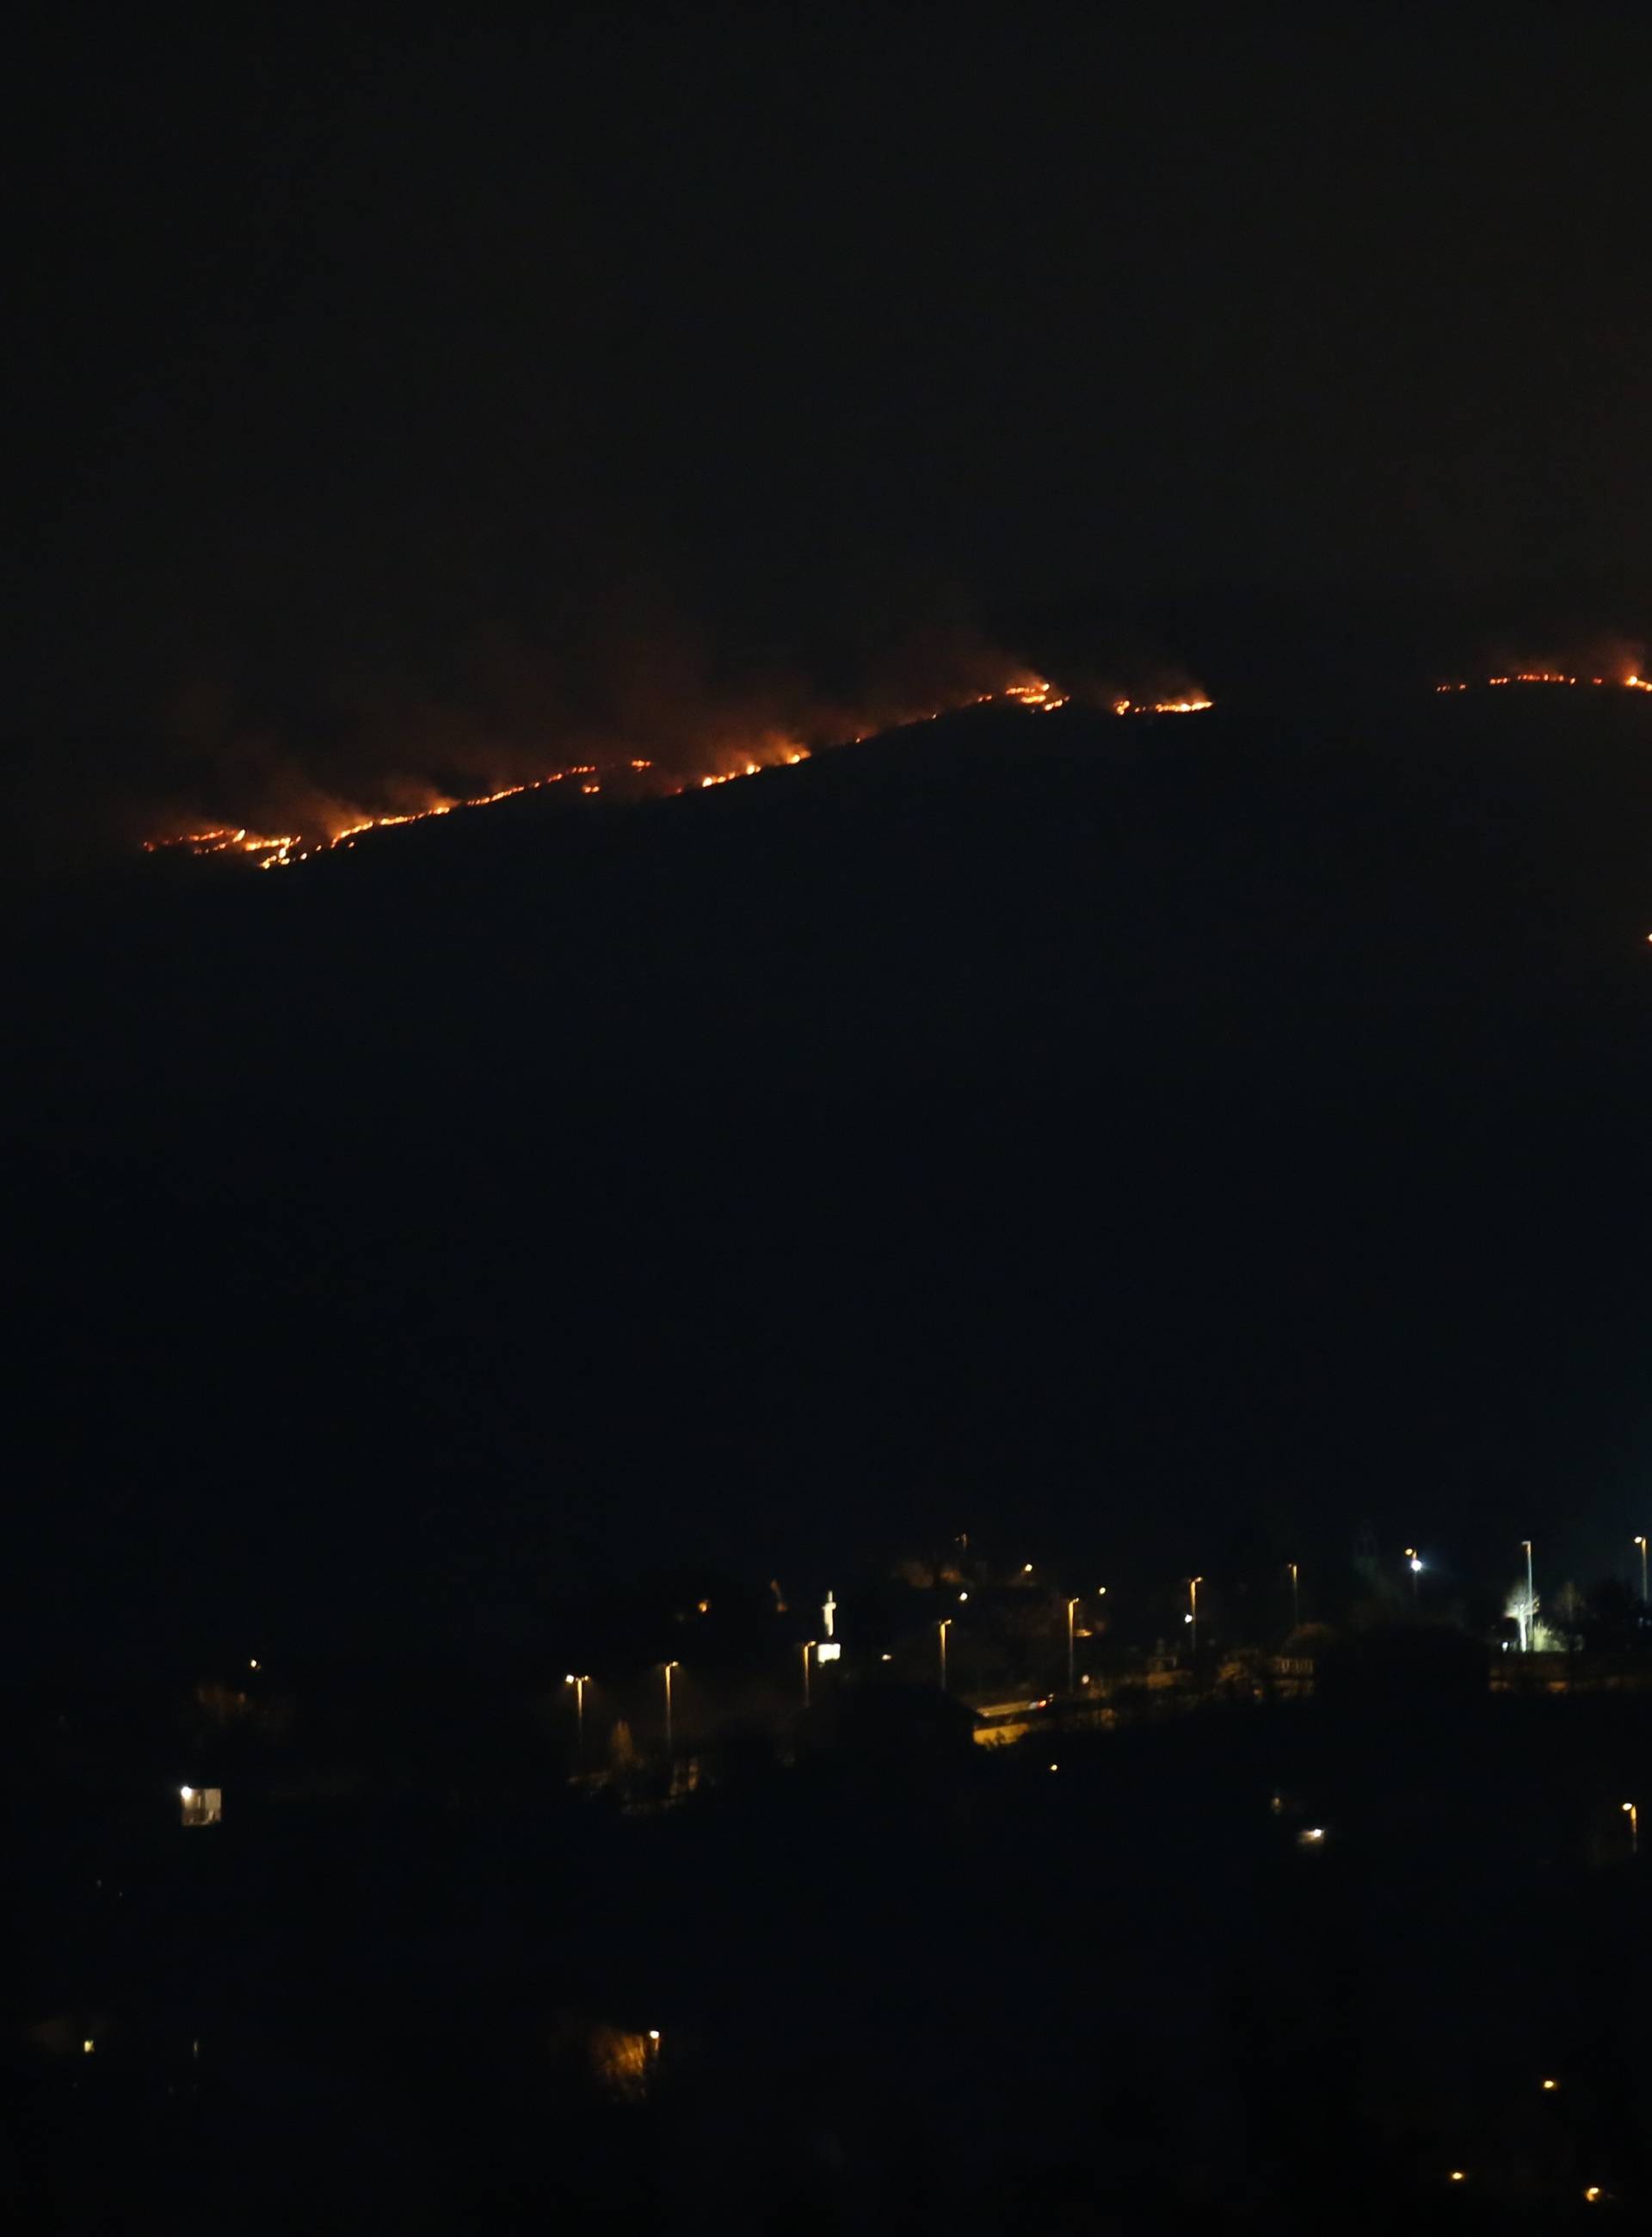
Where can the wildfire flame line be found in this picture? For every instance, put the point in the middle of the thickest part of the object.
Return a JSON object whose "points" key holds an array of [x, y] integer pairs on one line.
{"points": [[1554, 676], [281, 851]]}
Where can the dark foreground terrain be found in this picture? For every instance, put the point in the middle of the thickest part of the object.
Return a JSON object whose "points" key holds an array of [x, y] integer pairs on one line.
{"points": [[892, 1992]]}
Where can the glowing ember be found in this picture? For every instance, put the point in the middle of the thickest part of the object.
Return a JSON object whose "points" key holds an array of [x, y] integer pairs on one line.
{"points": [[1037, 694]]}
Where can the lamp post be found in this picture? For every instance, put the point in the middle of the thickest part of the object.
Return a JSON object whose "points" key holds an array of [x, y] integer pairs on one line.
{"points": [[667, 1668], [808, 1649], [1531, 1598], [1640, 1542], [1634, 1817], [943, 1628], [579, 1685], [1071, 1604], [1193, 1584], [1414, 1561], [1296, 1604]]}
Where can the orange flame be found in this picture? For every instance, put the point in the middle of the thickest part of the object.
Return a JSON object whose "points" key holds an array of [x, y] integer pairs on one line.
{"points": [[279, 852]]}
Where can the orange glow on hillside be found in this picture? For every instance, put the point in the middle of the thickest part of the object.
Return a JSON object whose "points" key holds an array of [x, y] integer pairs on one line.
{"points": [[1552, 676], [281, 851]]}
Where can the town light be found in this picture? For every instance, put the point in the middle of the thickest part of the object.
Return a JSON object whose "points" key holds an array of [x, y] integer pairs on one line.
{"points": [[666, 1669], [1634, 1817], [943, 1628], [1414, 1563], [580, 1684], [1640, 1542]]}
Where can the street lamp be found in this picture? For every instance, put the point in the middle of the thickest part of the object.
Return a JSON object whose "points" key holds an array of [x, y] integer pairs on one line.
{"points": [[1193, 1584], [1634, 1817], [579, 1685], [808, 1644], [667, 1668], [1296, 1604], [1640, 1542], [1414, 1561], [1531, 1598], [1071, 1604], [943, 1628]]}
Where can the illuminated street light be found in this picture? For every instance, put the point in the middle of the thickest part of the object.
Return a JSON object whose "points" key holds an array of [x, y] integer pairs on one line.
{"points": [[579, 1685], [808, 1645], [1414, 1562], [1295, 1604], [666, 1669], [1071, 1604], [943, 1628], [1640, 1542], [187, 1794], [1634, 1817], [1193, 1584], [1531, 1598]]}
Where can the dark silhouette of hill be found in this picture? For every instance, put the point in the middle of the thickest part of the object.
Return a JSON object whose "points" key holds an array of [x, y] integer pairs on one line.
{"points": [[1126, 1130]]}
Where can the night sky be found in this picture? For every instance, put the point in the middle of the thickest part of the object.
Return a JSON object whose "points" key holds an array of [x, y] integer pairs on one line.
{"points": [[1185, 1148], [413, 372]]}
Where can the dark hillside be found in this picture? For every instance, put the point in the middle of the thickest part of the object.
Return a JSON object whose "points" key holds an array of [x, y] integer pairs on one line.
{"points": [[1125, 1128]]}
